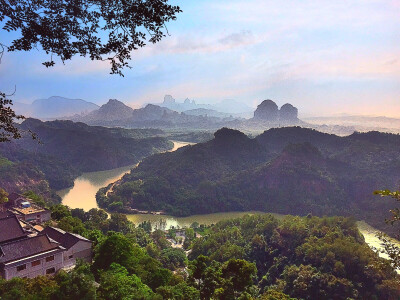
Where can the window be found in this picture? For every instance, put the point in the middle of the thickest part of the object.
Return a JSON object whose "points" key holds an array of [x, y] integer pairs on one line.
{"points": [[35, 263], [50, 271], [21, 268], [49, 258]]}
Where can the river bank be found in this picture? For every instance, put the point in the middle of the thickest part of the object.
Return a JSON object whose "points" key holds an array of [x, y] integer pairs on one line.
{"points": [[83, 195]]}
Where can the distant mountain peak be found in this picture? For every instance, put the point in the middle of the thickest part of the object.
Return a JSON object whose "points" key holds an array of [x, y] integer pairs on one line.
{"points": [[168, 99], [267, 110], [114, 102], [56, 107], [111, 111]]}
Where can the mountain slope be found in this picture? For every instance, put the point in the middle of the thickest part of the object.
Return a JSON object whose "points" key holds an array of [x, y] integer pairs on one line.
{"points": [[285, 170], [55, 107], [112, 111], [69, 148]]}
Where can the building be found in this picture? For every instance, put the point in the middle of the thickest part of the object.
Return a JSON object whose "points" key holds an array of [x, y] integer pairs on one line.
{"points": [[25, 252], [22, 255], [25, 210], [76, 246]]}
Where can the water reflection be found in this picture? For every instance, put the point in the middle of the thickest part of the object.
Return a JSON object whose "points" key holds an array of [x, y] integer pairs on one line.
{"points": [[83, 193], [167, 222]]}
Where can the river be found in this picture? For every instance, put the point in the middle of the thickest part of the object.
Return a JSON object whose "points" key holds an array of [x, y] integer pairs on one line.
{"points": [[83, 195]]}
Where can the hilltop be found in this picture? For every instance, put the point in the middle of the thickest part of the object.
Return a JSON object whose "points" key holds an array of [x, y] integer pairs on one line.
{"points": [[67, 149], [286, 170]]}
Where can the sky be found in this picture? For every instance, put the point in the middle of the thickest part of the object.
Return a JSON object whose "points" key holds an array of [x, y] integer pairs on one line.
{"points": [[325, 57]]}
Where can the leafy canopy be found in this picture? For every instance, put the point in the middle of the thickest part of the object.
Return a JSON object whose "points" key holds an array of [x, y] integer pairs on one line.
{"points": [[100, 29]]}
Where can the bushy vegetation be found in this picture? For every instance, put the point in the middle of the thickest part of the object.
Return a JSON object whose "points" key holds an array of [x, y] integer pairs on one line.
{"points": [[254, 257], [284, 170]]}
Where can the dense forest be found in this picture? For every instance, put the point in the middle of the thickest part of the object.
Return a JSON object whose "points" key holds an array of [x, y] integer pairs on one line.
{"points": [[253, 257], [65, 149], [289, 170]]}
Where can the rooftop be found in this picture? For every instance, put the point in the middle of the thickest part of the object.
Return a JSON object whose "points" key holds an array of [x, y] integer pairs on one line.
{"points": [[33, 209], [10, 229], [66, 239], [26, 247]]}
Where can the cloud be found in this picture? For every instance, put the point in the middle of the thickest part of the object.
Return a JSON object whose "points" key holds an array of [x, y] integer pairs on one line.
{"points": [[200, 44]]}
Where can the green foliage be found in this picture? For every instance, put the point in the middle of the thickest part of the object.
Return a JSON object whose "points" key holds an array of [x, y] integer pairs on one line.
{"points": [[67, 149], [308, 258], [321, 174], [116, 284], [115, 248], [261, 258], [3, 196], [71, 224], [173, 258], [36, 198], [78, 284], [21, 177], [60, 211], [389, 248], [181, 291]]}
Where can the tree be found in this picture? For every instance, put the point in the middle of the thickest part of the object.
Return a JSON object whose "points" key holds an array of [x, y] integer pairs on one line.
{"points": [[8, 129], [77, 284], [3, 196], [106, 30], [120, 223], [173, 258], [115, 248], [117, 284], [389, 247], [59, 211], [238, 275], [180, 291]]}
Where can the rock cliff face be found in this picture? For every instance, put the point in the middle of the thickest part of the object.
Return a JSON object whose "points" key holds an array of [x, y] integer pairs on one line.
{"points": [[288, 113], [267, 111], [168, 99]]}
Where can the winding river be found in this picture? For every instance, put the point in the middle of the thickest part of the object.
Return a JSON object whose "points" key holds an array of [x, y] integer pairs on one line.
{"points": [[83, 195]]}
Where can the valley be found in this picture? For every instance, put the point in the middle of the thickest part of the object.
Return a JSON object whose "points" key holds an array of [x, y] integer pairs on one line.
{"points": [[83, 192], [83, 195]]}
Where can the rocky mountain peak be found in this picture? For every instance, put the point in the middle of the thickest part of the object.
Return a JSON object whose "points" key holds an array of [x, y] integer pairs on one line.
{"points": [[267, 111]]}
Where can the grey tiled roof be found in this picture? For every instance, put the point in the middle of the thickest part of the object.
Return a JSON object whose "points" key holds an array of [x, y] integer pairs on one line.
{"points": [[26, 247], [66, 239], [10, 229]]}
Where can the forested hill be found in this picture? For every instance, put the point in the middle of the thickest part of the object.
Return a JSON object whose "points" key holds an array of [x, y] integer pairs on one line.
{"points": [[286, 170], [66, 149]]}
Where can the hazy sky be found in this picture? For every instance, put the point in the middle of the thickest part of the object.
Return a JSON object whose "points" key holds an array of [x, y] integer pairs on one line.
{"points": [[325, 57]]}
